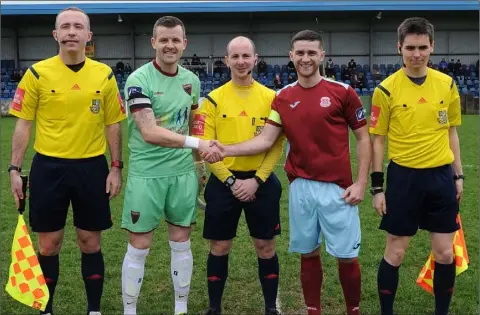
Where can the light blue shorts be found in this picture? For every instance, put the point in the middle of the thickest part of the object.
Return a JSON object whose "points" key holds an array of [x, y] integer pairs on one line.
{"points": [[316, 209]]}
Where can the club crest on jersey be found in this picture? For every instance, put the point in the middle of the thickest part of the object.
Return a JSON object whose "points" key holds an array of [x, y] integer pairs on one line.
{"points": [[188, 88], [325, 101], [95, 108], [442, 117]]}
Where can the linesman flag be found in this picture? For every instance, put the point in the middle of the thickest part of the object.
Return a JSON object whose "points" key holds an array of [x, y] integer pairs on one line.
{"points": [[26, 282], [460, 255]]}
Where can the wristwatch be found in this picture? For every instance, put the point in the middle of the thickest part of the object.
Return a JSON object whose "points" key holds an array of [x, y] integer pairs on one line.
{"points": [[457, 177], [230, 181], [259, 180], [118, 164], [376, 190], [14, 168]]}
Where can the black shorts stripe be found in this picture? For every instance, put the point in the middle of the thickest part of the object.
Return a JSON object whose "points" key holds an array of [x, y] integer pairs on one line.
{"points": [[35, 73], [208, 97], [384, 90], [451, 84], [110, 76]]}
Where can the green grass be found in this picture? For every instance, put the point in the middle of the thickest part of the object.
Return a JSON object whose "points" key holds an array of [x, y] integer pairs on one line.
{"points": [[243, 293]]}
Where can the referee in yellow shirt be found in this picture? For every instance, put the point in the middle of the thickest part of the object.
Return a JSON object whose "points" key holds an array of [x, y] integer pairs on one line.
{"points": [[418, 109], [233, 113], [73, 100]]}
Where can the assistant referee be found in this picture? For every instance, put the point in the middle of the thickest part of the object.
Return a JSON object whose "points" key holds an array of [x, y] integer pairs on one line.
{"points": [[233, 113], [418, 109], [75, 102]]}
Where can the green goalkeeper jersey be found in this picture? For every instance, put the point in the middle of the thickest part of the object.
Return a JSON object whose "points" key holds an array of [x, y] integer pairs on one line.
{"points": [[171, 97]]}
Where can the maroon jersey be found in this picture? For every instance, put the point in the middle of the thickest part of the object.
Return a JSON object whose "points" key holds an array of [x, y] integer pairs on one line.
{"points": [[315, 122]]}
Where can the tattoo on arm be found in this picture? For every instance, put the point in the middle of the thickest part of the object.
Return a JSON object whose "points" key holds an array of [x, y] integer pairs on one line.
{"points": [[144, 119]]}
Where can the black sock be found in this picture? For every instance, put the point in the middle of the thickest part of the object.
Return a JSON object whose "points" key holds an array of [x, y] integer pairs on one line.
{"points": [[50, 267], [387, 283], [217, 273], [268, 272], [443, 282], [93, 271]]}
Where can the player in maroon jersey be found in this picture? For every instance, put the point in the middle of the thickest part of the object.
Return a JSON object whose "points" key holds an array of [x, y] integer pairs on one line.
{"points": [[315, 114]]}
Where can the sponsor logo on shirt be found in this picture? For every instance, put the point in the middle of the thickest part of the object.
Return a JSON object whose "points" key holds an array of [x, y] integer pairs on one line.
{"points": [[374, 116], [198, 128], [120, 101], [18, 100], [360, 113], [134, 90], [294, 104]]}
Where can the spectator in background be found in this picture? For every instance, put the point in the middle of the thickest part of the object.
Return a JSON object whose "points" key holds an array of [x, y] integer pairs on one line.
{"points": [[218, 66], [290, 79], [128, 68], [277, 82], [360, 80], [451, 66], [120, 67], [430, 64], [353, 78], [352, 64], [458, 66], [185, 62], [262, 66], [291, 67], [346, 74], [195, 60], [263, 80], [329, 69], [16, 77], [443, 66]]}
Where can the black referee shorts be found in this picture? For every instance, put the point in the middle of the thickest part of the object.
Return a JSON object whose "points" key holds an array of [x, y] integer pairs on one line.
{"points": [[420, 198], [223, 209], [55, 182]]}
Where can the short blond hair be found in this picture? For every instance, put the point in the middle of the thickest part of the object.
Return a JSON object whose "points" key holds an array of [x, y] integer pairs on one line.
{"points": [[75, 9]]}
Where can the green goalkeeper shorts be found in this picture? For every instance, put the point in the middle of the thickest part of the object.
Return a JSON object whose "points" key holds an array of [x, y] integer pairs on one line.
{"points": [[149, 200]]}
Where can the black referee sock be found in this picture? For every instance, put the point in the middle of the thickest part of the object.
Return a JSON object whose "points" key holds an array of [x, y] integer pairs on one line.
{"points": [[443, 282], [50, 267], [387, 282], [268, 272], [93, 271], [217, 273]]}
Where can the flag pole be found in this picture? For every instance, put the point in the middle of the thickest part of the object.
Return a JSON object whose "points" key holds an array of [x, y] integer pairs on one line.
{"points": [[21, 207]]}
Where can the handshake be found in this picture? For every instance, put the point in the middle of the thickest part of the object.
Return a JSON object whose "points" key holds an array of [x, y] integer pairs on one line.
{"points": [[212, 151]]}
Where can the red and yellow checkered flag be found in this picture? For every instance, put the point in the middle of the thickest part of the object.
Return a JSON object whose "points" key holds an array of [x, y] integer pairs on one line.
{"points": [[26, 283], [425, 278]]}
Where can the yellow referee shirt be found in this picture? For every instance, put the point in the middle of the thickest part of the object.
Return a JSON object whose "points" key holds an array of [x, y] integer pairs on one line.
{"points": [[233, 114], [71, 109], [416, 118]]}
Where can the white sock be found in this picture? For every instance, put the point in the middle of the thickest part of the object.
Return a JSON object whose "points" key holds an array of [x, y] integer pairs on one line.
{"points": [[181, 268], [132, 277]]}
